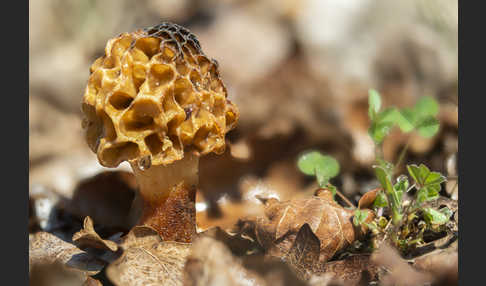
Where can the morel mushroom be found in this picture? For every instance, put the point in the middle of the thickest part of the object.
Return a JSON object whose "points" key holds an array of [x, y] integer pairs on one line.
{"points": [[157, 101]]}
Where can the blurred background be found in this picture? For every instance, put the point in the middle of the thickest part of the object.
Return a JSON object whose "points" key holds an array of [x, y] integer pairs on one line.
{"points": [[299, 71]]}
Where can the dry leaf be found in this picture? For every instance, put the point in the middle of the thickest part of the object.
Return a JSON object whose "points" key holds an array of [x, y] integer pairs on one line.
{"points": [[330, 222], [211, 263], [304, 257], [147, 260], [366, 201], [238, 243], [353, 270], [56, 273], [442, 263], [401, 273], [87, 237], [273, 270], [45, 248], [304, 253], [92, 282]]}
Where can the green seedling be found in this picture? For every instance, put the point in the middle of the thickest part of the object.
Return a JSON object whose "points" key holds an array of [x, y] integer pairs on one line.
{"points": [[406, 218], [426, 182], [405, 230], [434, 217], [323, 167], [359, 217], [420, 118]]}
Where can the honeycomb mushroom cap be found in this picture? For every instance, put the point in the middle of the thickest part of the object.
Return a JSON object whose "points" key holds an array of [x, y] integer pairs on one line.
{"points": [[153, 95]]}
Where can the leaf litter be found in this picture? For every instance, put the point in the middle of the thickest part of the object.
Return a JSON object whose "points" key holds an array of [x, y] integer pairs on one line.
{"points": [[296, 240], [330, 222], [147, 260]]}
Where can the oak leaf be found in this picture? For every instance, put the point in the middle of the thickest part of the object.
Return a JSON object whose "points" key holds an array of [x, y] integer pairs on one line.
{"points": [[147, 260], [330, 222], [92, 282], [273, 270], [211, 263], [442, 264], [56, 273], [87, 237], [46, 248], [400, 272], [238, 243], [352, 270], [304, 253]]}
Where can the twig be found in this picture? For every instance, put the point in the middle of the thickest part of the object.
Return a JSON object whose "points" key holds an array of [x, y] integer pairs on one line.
{"points": [[350, 204], [402, 155], [410, 188], [385, 231]]}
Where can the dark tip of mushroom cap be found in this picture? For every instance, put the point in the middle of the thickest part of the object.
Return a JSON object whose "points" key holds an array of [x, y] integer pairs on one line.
{"points": [[176, 33]]}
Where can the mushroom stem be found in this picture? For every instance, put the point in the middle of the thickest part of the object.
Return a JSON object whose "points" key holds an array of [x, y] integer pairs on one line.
{"points": [[168, 194]]}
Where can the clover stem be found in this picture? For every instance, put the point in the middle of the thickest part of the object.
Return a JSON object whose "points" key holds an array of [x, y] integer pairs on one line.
{"points": [[379, 152], [402, 154], [168, 194], [396, 217]]}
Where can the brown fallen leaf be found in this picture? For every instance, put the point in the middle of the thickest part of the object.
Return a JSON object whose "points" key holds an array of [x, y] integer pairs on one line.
{"points": [[442, 264], [303, 256], [304, 253], [238, 243], [330, 222], [366, 201], [147, 260], [87, 237], [55, 273], [273, 270], [353, 270], [92, 282], [400, 272], [45, 248], [211, 263]]}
